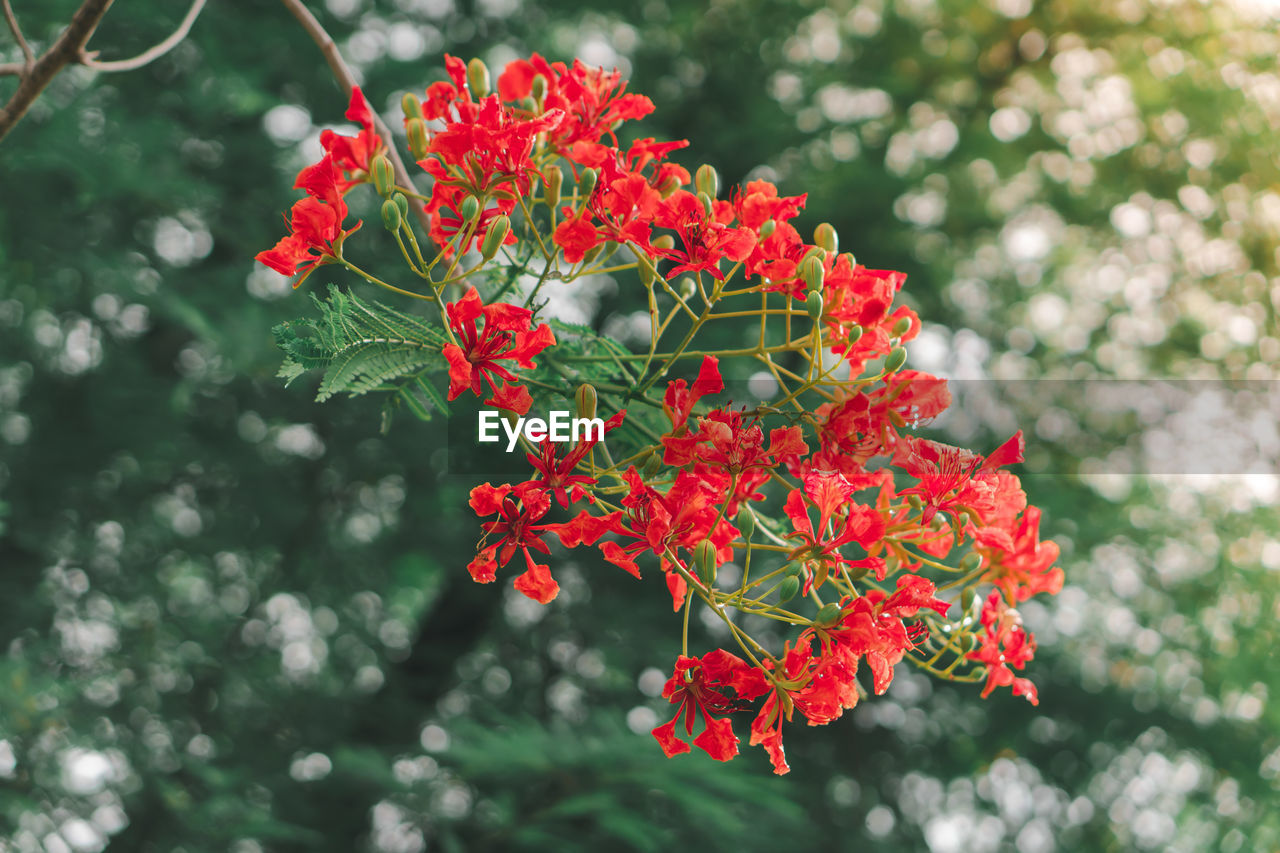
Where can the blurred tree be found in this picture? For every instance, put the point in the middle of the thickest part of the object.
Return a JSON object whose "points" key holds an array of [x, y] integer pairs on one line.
{"points": [[236, 620]]}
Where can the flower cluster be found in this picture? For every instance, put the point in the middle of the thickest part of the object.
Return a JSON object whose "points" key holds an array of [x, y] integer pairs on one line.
{"points": [[820, 510]]}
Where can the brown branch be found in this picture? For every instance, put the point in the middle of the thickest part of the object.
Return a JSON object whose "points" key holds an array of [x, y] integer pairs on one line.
{"points": [[63, 52], [29, 58], [87, 57], [7, 68], [347, 80]]}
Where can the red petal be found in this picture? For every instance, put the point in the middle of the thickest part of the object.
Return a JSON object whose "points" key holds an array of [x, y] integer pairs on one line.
{"points": [[459, 370], [718, 740], [666, 737], [537, 582]]}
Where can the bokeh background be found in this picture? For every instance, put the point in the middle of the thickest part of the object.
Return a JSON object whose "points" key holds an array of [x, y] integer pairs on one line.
{"points": [[232, 619]]}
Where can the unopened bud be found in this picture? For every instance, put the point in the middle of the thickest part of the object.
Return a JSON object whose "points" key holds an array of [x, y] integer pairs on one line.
{"points": [[767, 228], [652, 465], [939, 520], [970, 562], [825, 236], [417, 130], [687, 287], [828, 615], [901, 327], [470, 208], [553, 178], [384, 176], [793, 569], [848, 256], [539, 89], [669, 185], [664, 241], [705, 180], [813, 305], [857, 573], [967, 596], [411, 106], [391, 216], [855, 334], [746, 524], [586, 399], [478, 78], [587, 185], [704, 558], [402, 202], [896, 358], [915, 502], [787, 590], [705, 200], [966, 643], [498, 231], [814, 251], [813, 274]]}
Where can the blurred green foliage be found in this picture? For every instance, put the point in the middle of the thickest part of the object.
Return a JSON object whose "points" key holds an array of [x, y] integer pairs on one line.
{"points": [[233, 619]]}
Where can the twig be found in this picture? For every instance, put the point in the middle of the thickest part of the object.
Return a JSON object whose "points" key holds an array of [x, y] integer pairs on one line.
{"points": [[29, 58], [347, 80], [63, 52], [87, 57], [7, 68]]}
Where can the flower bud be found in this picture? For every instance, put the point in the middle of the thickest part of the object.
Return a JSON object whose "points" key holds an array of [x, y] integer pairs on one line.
{"points": [[813, 274], [586, 399], [417, 130], [705, 180], [411, 106], [967, 595], [469, 208], [857, 573], [687, 287], [593, 254], [813, 251], [828, 615], [767, 228], [402, 202], [793, 569], [704, 558], [896, 358], [970, 562], [652, 465], [966, 643], [825, 236], [853, 262], [915, 502], [478, 78], [587, 185], [668, 186], [901, 327], [539, 89], [499, 228], [553, 178], [787, 590], [855, 334], [664, 241], [813, 305], [384, 176], [746, 524], [705, 201], [938, 521], [391, 216]]}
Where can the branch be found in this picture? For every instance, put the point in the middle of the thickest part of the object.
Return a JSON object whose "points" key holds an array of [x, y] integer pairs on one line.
{"points": [[29, 58], [7, 68], [63, 52], [346, 78], [87, 57]]}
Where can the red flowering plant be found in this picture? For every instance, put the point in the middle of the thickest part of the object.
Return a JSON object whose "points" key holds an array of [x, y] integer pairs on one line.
{"points": [[818, 509]]}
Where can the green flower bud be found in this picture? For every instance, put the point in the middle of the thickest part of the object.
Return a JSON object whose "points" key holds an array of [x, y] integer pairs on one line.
{"points": [[811, 270], [470, 208], [539, 90], [384, 176], [938, 521], [477, 78], [813, 305], [915, 502], [855, 334], [417, 130], [746, 524], [900, 328], [970, 562], [402, 202], [814, 251], [664, 241], [687, 287], [767, 228], [793, 569], [828, 615], [858, 572], [586, 399], [705, 200], [553, 178], [652, 465], [668, 186], [825, 236], [587, 185], [966, 643], [966, 598], [853, 262], [896, 358], [704, 558], [391, 216], [411, 106], [788, 589], [705, 180], [498, 231]]}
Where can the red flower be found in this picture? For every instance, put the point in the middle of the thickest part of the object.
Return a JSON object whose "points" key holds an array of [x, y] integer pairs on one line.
{"points": [[840, 520], [952, 478], [872, 627], [704, 239], [354, 154], [1004, 644], [556, 474], [697, 687], [506, 336]]}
